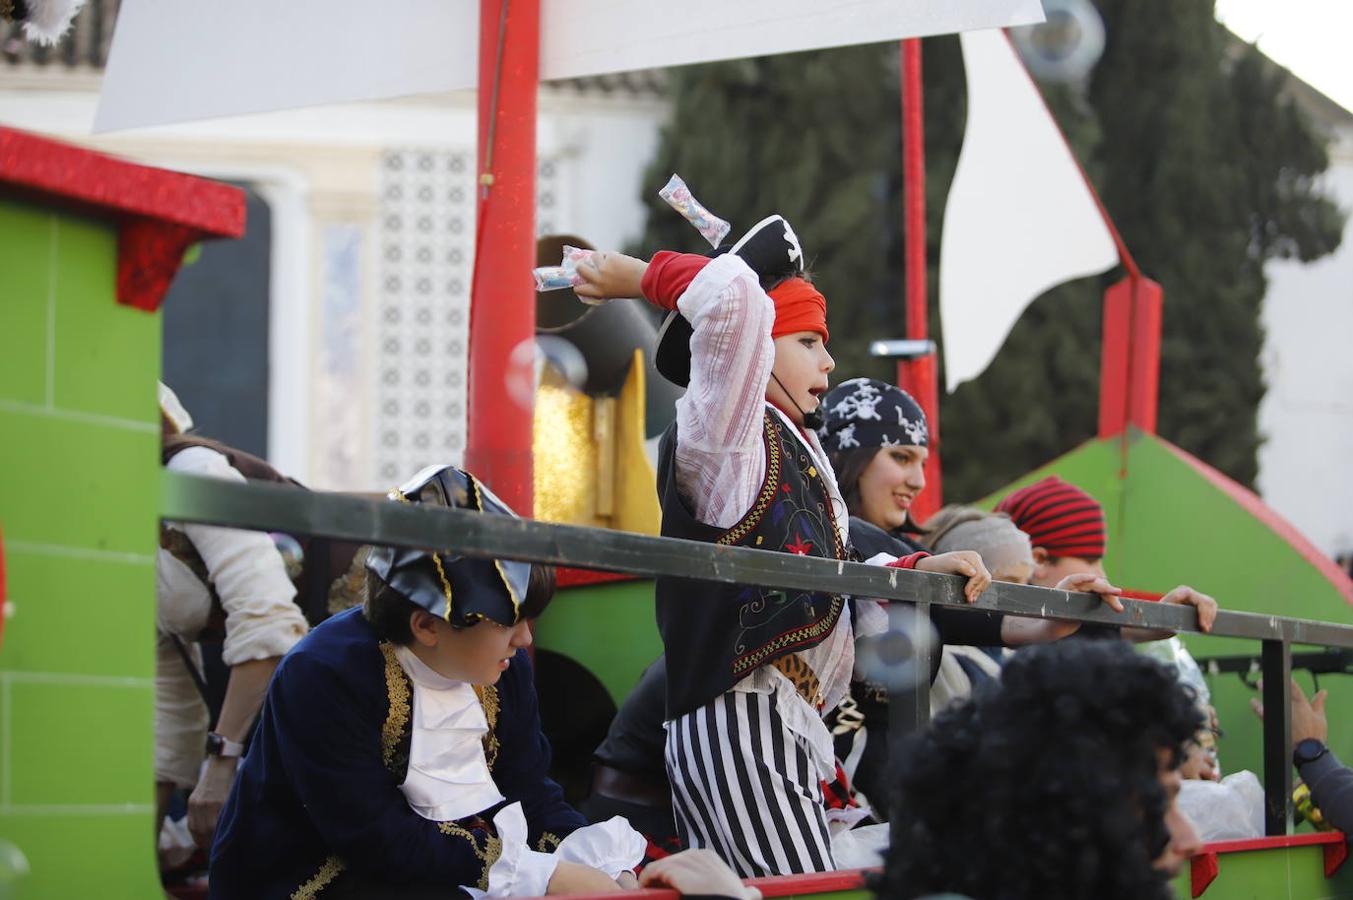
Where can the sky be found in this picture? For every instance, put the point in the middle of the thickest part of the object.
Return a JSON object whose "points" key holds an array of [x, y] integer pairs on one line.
{"points": [[1309, 37]]}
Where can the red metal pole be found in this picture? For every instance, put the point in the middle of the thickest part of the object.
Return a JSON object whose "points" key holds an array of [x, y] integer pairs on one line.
{"points": [[1129, 369], [918, 376], [502, 305], [1115, 363], [1144, 374]]}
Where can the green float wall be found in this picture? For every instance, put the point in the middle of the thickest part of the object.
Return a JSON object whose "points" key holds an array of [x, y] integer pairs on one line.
{"points": [[79, 501], [1282, 873], [609, 628], [1169, 525]]}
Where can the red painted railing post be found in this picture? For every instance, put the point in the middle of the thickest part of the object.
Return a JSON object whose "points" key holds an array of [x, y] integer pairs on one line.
{"points": [[919, 377], [502, 306]]}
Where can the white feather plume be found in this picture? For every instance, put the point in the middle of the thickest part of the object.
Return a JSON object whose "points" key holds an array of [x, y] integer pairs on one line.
{"points": [[48, 20]]}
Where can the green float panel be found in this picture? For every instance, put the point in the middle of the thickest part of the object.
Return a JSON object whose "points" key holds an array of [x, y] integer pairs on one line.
{"points": [[79, 509], [608, 628], [1171, 521], [1270, 873]]}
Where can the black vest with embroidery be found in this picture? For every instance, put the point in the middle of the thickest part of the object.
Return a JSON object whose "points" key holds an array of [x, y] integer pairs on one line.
{"points": [[717, 634]]}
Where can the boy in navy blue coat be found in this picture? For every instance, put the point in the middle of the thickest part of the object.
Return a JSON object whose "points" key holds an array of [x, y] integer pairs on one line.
{"points": [[399, 751]]}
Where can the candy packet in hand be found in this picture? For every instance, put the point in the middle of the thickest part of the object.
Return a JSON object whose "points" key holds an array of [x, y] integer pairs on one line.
{"points": [[679, 197]]}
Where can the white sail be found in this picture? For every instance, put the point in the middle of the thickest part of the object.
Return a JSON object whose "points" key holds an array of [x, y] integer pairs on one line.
{"points": [[182, 60], [1020, 217]]}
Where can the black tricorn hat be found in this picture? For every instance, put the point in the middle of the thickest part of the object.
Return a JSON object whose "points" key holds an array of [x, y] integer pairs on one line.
{"points": [[460, 589]]}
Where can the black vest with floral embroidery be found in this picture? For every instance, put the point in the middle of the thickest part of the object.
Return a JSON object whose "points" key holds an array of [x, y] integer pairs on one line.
{"points": [[717, 634]]}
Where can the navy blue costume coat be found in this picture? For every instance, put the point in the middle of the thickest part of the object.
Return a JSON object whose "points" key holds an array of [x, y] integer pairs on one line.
{"points": [[317, 798]]}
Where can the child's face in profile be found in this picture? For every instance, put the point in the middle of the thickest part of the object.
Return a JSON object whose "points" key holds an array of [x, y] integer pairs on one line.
{"points": [[479, 654], [802, 365]]}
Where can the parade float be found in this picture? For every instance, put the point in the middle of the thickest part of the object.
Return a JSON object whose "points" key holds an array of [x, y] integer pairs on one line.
{"points": [[90, 243]]}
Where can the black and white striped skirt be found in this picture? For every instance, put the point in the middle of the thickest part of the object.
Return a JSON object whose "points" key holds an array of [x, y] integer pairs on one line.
{"points": [[744, 786]]}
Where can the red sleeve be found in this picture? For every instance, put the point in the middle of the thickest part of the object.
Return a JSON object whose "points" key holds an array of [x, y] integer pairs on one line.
{"points": [[908, 562], [668, 276]]}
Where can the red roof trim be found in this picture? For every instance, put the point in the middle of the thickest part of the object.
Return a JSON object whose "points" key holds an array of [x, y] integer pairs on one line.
{"points": [[1252, 504], [160, 214]]}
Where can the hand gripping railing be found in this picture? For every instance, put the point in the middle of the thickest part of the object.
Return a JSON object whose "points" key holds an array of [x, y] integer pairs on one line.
{"points": [[273, 507]]}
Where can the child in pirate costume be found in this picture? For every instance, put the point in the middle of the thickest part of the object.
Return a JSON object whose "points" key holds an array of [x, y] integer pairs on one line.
{"points": [[751, 671], [399, 751]]}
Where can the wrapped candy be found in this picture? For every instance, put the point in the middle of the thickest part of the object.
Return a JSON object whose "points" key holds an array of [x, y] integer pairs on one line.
{"points": [[564, 275], [679, 197], [553, 278]]}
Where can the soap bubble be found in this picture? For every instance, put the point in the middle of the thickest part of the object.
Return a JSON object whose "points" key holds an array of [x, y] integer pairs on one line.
{"points": [[13, 870], [526, 365], [889, 658], [1067, 45]]}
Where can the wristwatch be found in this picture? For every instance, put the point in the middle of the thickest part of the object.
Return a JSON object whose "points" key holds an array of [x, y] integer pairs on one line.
{"points": [[1308, 750], [222, 746]]}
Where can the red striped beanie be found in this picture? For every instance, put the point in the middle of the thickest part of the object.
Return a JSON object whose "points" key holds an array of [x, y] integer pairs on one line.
{"points": [[1059, 517]]}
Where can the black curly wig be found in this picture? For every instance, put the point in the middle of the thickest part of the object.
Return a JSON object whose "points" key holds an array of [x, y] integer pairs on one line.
{"points": [[1044, 785]]}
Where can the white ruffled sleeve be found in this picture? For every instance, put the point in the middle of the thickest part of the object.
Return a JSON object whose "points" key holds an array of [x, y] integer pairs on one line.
{"points": [[518, 871], [611, 846]]}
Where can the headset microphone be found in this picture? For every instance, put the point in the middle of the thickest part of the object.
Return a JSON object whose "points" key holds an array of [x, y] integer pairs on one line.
{"points": [[811, 420]]}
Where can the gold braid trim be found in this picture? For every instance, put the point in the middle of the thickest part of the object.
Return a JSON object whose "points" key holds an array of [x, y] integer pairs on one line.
{"points": [[747, 663], [768, 488], [548, 842], [790, 638], [446, 585], [320, 880], [397, 689], [488, 699], [493, 848]]}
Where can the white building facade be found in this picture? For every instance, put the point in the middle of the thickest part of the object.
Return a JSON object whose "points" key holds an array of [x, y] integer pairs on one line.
{"points": [[1306, 418], [372, 239]]}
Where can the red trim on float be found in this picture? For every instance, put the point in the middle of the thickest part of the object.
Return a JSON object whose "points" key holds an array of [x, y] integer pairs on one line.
{"points": [[1204, 868], [1336, 854], [160, 214], [811, 883], [566, 577], [770, 886], [1270, 843], [1256, 507]]}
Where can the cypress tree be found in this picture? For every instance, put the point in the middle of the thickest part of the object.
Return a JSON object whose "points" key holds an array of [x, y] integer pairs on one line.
{"points": [[1208, 169]]}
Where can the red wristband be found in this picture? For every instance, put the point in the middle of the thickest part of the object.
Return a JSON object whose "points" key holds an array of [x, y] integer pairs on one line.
{"points": [[908, 562]]}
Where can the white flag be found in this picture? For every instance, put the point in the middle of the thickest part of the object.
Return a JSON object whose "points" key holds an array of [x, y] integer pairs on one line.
{"points": [[1020, 216], [181, 60]]}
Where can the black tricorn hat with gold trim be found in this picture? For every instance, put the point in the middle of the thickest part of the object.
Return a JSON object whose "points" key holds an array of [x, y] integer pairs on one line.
{"points": [[460, 589]]}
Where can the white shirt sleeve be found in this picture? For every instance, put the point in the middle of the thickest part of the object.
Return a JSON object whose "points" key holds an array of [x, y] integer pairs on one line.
{"points": [[611, 847], [262, 620], [518, 871], [720, 457]]}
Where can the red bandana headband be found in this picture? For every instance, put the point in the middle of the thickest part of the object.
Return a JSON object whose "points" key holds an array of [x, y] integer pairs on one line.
{"points": [[798, 307]]}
